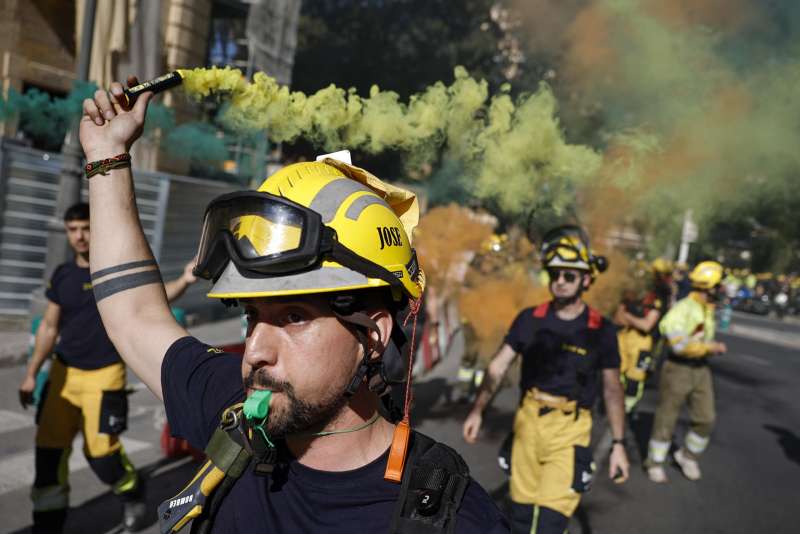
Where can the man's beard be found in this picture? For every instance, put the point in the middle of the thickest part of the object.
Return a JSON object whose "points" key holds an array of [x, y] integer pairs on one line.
{"points": [[300, 416], [566, 301]]}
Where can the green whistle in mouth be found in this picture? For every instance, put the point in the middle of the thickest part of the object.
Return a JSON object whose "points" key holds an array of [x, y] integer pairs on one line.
{"points": [[257, 405]]}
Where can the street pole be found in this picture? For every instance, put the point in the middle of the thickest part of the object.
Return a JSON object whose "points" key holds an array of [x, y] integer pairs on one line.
{"points": [[688, 236], [69, 181]]}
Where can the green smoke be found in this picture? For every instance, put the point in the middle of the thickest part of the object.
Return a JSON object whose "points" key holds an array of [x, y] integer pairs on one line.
{"points": [[43, 116], [696, 102], [48, 118]]}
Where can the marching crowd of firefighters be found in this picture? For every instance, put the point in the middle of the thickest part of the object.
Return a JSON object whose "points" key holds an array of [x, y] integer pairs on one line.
{"points": [[298, 430], [665, 320]]}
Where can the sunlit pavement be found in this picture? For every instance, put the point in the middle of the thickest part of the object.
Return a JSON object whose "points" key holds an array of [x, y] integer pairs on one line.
{"points": [[749, 471]]}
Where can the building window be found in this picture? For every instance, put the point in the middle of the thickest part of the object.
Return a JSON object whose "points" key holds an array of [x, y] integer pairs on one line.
{"points": [[227, 43]]}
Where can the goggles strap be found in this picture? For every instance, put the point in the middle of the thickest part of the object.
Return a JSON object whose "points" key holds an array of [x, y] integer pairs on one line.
{"points": [[350, 259]]}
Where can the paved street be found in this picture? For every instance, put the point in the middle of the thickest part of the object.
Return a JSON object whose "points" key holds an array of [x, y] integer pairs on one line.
{"points": [[750, 469]]}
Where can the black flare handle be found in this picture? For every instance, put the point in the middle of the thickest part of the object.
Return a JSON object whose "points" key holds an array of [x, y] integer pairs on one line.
{"points": [[156, 85]]}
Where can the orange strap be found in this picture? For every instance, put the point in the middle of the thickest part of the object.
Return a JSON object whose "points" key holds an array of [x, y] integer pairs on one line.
{"points": [[399, 449], [397, 453], [595, 317]]}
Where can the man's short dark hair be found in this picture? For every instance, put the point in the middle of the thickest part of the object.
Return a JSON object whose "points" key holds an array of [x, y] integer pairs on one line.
{"points": [[77, 212]]}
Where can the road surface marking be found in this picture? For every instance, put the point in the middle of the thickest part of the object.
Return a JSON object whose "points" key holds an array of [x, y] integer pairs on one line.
{"points": [[11, 421], [753, 359], [765, 335]]}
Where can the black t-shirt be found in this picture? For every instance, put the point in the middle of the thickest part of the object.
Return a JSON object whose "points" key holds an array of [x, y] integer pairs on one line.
{"points": [[563, 357], [83, 340], [199, 382]]}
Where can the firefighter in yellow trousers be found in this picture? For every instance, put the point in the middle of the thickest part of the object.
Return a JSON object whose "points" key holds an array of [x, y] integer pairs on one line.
{"points": [[566, 348], [686, 376], [638, 319]]}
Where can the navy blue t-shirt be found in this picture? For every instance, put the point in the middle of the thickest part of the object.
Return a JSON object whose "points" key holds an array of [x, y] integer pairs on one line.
{"points": [[563, 357], [83, 341], [199, 382]]}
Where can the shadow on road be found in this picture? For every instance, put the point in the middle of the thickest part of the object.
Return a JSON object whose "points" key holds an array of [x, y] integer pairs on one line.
{"points": [[741, 376], [641, 424], [427, 395], [163, 479], [788, 441], [433, 400], [582, 517], [500, 496]]}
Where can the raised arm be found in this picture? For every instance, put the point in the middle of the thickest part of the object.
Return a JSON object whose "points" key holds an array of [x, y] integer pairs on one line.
{"points": [[642, 324], [127, 285], [491, 381], [176, 288]]}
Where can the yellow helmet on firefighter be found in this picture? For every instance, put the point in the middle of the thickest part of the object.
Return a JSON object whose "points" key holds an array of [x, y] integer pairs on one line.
{"points": [[567, 247], [661, 266], [706, 275], [315, 227]]}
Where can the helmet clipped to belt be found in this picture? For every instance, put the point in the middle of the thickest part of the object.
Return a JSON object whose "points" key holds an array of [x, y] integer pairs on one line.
{"points": [[706, 275], [567, 247], [311, 228]]}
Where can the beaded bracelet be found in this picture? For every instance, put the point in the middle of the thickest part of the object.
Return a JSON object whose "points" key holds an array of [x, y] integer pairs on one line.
{"points": [[102, 166]]}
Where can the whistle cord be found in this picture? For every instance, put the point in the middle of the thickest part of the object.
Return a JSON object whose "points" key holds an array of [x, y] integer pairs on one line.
{"points": [[345, 431]]}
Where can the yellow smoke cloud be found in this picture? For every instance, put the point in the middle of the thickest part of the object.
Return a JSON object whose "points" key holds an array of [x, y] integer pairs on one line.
{"points": [[512, 150]]}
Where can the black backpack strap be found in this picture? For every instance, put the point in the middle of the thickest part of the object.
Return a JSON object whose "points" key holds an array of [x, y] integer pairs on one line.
{"points": [[433, 486]]}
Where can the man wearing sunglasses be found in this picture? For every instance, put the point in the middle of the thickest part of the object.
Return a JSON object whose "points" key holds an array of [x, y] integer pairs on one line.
{"points": [[296, 431], [565, 346]]}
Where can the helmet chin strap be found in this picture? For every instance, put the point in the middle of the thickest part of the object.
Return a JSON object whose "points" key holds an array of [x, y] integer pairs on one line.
{"points": [[362, 325], [567, 301]]}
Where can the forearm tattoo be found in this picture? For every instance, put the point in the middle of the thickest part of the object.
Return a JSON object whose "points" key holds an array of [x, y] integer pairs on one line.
{"points": [[122, 267], [125, 282]]}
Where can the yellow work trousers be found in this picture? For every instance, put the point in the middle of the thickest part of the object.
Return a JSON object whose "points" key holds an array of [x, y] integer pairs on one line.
{"points": [[551, 462], [94, 403]]}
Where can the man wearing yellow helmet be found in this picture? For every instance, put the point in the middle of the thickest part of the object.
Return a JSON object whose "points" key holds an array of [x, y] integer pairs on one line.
{"points": [[685, 377], [565, 345], [320, 259]]}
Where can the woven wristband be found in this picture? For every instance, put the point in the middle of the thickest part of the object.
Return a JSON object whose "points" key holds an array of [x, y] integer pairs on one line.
{"points": [[102, 166]]}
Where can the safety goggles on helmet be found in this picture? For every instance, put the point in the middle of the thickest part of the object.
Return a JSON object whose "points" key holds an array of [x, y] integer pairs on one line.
{"points": [[565, 252], [271, 235]]}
